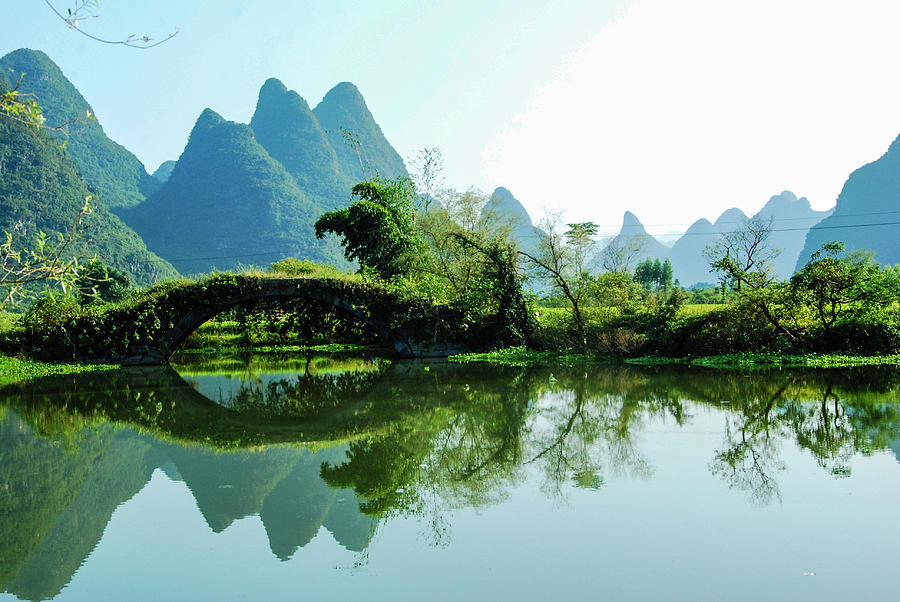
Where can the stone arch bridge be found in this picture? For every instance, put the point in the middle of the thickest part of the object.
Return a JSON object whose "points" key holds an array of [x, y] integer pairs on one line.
{"points": [[150, 328]]}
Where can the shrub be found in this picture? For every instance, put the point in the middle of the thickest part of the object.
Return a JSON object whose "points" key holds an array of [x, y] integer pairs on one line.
{"points": [[866, 336]]}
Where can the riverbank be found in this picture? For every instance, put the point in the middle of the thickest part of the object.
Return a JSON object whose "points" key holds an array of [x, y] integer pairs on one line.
{"points": [[521, 356], [13, 369]]}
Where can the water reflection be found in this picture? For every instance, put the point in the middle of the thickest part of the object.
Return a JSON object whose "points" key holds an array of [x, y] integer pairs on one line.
{"points": [[346, 444]]}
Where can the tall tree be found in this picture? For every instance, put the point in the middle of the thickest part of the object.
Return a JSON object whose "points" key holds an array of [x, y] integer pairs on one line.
{"points": [[560, 257], [378, 229], [743, 257], [833, 282]]}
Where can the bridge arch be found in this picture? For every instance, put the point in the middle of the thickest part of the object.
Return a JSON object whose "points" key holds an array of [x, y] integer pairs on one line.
{"points": [[412, 330], [190, 321]]}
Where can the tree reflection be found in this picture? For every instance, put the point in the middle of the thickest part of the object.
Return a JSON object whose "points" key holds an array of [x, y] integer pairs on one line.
{"points": [[810, 411], [371, 441]]}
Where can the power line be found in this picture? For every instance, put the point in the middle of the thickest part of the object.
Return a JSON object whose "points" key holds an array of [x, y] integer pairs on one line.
{"points": [[784, 219], [817, 227]]}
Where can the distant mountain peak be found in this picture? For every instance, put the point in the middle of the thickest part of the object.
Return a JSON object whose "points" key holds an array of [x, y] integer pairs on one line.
{"points": [[504, 208], [345, 92], [859, 218], [273, 83], [502, 202], [164, 170], [291, 133], [273, 91], [631, 225], [701, 225], [228, 203], [786, 205], [367, 152], [208, 118], [731, 219]]}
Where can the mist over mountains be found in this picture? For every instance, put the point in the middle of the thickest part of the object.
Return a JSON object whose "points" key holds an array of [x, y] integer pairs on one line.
{"points": [[249, 194]]}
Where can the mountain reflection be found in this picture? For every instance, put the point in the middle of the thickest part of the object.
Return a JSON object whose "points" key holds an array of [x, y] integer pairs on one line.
{"points": [[347, 444]]}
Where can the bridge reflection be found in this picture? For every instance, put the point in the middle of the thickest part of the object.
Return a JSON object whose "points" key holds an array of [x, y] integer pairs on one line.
{"points": [[341, 447]]}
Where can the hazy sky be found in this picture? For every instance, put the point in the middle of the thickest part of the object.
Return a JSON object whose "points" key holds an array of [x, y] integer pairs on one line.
{"points": [[674, 110]]}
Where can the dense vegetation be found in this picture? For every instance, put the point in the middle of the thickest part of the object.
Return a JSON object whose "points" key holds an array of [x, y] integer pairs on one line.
{"points": [[42, 191], [252, 195], [227, 203], [287, 128], [837, 302], [112, 172]]}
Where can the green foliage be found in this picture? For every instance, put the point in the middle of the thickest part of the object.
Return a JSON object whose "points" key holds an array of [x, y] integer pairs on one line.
{"points": [[19, 108], [115, 175], [378, 229], [97, 283], [614, 289], [653, 274], [834, 285], [291, 266], [298, 322], [869, 335], [61, 329], [521, 356], [41, 191], [261, 215]]}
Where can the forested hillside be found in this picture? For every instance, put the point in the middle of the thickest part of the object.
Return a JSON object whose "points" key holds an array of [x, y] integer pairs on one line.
{"points": [[228, 203], [41, 190], [109, 168]]}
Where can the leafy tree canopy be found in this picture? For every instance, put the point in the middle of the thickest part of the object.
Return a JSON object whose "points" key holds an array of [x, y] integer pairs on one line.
{"points": [[377, 230]]}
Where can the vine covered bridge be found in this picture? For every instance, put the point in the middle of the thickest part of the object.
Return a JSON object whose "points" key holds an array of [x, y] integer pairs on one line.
{"points": [[148, 329]]}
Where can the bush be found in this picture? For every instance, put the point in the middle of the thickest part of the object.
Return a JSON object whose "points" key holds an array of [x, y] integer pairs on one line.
{"points": [[866, 336]]}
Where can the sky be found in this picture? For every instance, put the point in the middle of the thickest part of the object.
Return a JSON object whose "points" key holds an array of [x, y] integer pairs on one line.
{"points": [[672, 110]]}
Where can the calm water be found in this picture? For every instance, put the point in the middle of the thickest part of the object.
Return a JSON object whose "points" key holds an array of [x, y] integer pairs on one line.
{"points": [[277, 478]]}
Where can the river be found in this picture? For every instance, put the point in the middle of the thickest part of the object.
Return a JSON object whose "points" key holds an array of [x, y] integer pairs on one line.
{"points": [[276, 477]]}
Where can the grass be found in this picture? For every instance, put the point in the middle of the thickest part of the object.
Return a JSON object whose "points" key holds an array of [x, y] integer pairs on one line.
{"points": [[775, 360], [14, 369], [521, 356], [326, 348]]}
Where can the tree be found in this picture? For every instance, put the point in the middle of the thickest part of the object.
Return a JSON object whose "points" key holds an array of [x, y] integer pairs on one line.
{"points": [[456, 230], [743, 256], [97, 283], [621, 252], [427, 175], [24, 266], [832, 283], [580, 237], [501, 270], [652, 273], [378, 229], [560, 257], [744, 260]]}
